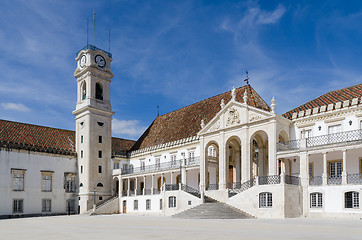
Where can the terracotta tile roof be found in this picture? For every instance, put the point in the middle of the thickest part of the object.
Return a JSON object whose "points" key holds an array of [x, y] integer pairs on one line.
{"points": [[45, 139], [120, 146], [335, 96], [185, 122]]}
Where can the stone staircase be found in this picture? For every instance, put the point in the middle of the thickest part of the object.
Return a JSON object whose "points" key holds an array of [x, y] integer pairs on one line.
{"points": [[212, 209]]}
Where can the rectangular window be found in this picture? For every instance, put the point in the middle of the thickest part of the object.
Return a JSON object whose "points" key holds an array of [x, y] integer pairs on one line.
{"points": [[81, 169], [172, 202], [100, 139], [335, 169], [143, 167], [265, 200], [334, 129], [99, 169], [46, 205], [173, 160], [81, 139], [18, 180], [116, 166], [46, 181], [100, 154], [81, 154], [148, 204], [69, 182], [316, 200], [70, 206], [191, 156], [135, 205], [158, 163], [310, 170], [160, 204], [18, 205], [351, 200]]}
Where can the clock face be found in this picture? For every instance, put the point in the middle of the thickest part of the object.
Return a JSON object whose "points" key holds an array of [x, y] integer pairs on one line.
{"points": [[101, 62], [83, 60]]}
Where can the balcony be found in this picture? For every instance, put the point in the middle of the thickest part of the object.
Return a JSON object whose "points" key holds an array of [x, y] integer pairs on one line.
{"points": [[336, 139], [190, 162]]}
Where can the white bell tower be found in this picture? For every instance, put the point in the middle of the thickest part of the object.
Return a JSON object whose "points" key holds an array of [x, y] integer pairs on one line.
{"points": [[93, 115]]}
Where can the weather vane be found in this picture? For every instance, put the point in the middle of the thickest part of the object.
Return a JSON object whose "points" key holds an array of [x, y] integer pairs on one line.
{"points": [[247, 78]]}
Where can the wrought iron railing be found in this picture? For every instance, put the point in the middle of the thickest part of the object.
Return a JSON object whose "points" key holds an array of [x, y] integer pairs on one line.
{"points": [[171, 187], [289, 145], [315, 181], [354, 178], [213, 186], [190, 190], [241, 187], [267, 180], [162, 166], [335, 180], [131, 192], [139, 192], [293, 180], [156, 191], [147, 191], [124, 193], [335, 138]]}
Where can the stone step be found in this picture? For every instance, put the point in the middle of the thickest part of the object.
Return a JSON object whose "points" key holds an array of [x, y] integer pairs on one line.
{"points": [[213, 210]]}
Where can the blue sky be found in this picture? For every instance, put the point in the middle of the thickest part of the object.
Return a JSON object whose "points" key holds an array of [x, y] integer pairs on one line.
{"points": [[174, 53]]}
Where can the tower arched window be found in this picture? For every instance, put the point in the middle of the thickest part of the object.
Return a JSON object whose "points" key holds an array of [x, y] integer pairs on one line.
{"points": [[84, 91], [99, 91]]}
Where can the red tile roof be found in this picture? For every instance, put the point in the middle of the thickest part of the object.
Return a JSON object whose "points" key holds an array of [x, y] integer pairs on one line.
{"points": [[185, 122], [45, 139], [335, 96]]}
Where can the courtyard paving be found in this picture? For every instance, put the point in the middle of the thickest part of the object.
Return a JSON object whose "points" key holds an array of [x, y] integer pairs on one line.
{"points": [[157, 227]]}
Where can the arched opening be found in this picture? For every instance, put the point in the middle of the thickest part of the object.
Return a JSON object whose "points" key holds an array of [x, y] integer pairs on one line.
{"points": [[99, 185], [99, 91], [233, 161], [283, 136], [160, 182], [115, 186], [259, 154], [84, 90], [212, 166]]}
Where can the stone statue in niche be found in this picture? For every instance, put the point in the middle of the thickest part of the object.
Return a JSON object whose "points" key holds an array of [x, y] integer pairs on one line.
{"points": [[233, 117]]}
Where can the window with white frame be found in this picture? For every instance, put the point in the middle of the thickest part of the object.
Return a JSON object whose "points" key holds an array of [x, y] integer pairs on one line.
{"points": [[172, 202], [135, 205], [46, 181], [148, 204], [18, 206], [212, 151], [334, 129], [191, 156], [351, 200], [18, 179], [335, 169], [173, 159], [116, 165], [265, 200], [158, 163], [316, 200], [142, 164], [46, 205], [69, 182], [160, 204]]}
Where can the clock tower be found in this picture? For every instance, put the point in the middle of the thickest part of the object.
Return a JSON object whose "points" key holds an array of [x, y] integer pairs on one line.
{"points": [[93, 116]]}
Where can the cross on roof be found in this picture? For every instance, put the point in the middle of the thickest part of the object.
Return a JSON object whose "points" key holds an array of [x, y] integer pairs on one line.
{"points": [[247, 78]]}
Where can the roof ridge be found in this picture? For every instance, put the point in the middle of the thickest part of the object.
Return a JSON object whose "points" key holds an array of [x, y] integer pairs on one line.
{"points": [[30, 124]]}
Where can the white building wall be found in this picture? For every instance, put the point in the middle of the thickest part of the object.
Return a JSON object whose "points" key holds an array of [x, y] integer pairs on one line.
{"points": [[32, 195]]}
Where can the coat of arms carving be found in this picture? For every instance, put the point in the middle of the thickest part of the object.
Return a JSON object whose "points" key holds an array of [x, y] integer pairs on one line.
{"points": [[232, 117]]}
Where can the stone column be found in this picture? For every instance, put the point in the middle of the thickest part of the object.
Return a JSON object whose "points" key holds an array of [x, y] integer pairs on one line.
{"points": [[282, 174], [120, 187], [237, 166], [152, 183], [128, 186], [245, 155], [272, 156], [144, 185], [324, 174], [162, 183], [203, 166], [222, 162], [344, 167], [304, 180], [136, 186]]}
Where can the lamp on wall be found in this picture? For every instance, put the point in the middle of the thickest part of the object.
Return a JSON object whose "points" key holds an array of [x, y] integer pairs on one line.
{"points": [[319, 128], [350, 122]]}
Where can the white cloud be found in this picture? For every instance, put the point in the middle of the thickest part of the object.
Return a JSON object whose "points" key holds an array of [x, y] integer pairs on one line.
{"points": [[130, 128], [15, 107]]}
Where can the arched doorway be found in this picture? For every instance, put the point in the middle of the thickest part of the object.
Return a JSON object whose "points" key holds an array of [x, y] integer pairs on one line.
{"points": [[115, 186], [233, 161], [259, 154], [212, 166]]}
